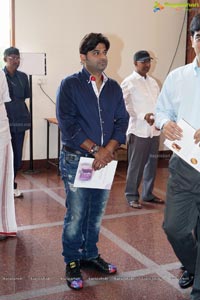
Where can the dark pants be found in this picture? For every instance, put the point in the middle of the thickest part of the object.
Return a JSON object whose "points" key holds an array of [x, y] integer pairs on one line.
{"points": [[142, 162], [17, 145], [182, 216]]}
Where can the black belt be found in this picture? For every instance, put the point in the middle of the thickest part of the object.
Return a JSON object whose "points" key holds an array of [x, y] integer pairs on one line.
{"points": [[64, 147]]}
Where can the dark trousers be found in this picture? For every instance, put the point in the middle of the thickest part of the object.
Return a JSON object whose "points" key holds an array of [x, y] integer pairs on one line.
{"points": [[182, 217], [17, 145], [142, 163]]}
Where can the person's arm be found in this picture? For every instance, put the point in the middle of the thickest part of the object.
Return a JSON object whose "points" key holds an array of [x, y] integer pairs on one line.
{"points": [[172, 131], [129, 100], [166, 110], [150, 117], [27, 92], [121, 119], [66, 113], [4, 89], [136, 112]]}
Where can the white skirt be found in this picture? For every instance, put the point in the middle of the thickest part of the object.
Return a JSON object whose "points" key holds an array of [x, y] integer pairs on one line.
{"points": [[8, 224]]}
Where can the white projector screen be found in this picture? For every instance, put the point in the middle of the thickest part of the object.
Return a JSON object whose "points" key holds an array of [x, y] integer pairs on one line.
{"points": [[33, 63]]}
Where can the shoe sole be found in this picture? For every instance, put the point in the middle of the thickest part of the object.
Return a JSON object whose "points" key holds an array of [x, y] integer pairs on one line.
{"points": [[186, 287], [73, 288], [135, 205]]}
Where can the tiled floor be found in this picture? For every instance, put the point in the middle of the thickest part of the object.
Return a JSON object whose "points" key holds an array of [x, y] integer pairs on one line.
{"points": [[31, 265]]}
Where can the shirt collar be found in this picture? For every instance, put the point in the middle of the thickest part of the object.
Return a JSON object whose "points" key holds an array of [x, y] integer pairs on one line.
{"points": [[138, 76], [7, 73], [196, 68], [92, 78], [5, 70]]}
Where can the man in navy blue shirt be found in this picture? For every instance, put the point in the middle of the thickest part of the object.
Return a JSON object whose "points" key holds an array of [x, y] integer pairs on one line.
{"points": [[93, 121], [17, 111]]}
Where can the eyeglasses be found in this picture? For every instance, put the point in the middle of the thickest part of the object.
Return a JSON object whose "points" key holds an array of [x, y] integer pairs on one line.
{"points": [[14, 57], [148, 60]]}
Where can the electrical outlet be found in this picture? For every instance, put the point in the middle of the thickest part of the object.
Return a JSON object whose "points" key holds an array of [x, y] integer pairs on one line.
{"points": [[41, 81]]}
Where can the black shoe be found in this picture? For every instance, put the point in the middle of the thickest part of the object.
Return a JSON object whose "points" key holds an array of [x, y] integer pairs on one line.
{"points": [[3, 237], [100, 264], [73, 275], [182, 267], [186, 280], [155, 200]]}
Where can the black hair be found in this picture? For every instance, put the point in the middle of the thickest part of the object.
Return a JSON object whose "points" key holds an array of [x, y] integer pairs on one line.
{"points": [[10, 51], [195, 24], [91, 40]]}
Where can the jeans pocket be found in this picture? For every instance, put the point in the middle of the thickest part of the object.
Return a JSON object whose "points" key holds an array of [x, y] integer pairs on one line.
{"points": [[68, 165]]}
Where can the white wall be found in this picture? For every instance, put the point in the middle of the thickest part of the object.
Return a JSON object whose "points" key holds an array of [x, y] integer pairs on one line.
{"points": [[56, 28]]}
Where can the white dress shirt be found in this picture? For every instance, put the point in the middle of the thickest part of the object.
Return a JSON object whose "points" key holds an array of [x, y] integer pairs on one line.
{"points": [[4, 124], [140, 96], [180, 96]]}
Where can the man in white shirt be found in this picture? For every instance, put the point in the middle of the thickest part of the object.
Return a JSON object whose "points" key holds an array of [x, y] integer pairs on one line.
{"points": [[8, 226], [140, 94]]}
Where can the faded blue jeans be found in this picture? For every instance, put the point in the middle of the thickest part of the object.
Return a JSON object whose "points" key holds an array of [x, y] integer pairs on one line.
{"points": [[85, 209]]}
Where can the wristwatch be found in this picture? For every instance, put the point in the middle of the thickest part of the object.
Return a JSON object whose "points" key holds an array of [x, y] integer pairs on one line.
{"points": [[94, 149]]}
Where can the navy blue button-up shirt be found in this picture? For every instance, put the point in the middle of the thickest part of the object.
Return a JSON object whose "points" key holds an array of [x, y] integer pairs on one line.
{"points": [[17, 111], [82, 115]]}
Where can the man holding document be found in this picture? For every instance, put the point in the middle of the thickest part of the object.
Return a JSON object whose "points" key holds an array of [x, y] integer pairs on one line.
{"points": [[93, 122], [180, 99]]}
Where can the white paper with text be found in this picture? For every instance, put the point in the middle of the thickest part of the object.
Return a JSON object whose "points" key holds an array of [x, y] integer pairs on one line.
{"points": [[86, 177], [186, 147]]}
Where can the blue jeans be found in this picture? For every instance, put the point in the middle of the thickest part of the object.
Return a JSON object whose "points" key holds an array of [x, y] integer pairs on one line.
{"points": [[85, 209]]}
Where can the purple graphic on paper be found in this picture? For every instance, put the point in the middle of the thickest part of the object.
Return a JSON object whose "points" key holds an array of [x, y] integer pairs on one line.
{"points": [[85, 172]]}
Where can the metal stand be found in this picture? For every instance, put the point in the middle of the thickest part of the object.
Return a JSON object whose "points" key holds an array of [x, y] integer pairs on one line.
{"points": [[49, 161], [31, 169], [32, 64]]}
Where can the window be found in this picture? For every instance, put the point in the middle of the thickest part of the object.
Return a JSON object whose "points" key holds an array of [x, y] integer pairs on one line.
{"points": [[6, 30]]}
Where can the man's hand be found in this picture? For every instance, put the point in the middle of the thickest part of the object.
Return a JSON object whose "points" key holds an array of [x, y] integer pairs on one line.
{"points": [[197, 136], [172, 131], [149, 118], [102, 158]]}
